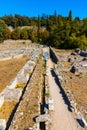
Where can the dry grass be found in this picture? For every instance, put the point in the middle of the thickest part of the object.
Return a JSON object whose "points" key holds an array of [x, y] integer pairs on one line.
{"points": [[9, 69], [20, 85], [62, 50], [67, 64], [29, 104], [6, 109], [76, 84]]}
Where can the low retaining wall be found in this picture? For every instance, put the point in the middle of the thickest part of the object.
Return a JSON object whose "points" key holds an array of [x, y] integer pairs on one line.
{"points": [[22, 77], [53, 56]]}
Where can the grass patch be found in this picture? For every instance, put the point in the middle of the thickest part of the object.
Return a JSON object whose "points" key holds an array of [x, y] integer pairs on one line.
{"points": [[20, 85], [47, 94]]}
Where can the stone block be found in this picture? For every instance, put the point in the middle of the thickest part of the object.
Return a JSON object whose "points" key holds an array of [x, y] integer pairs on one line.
{"points": [[23, 78], [18, 56], [50, 104], [13, 94], [42, 118], [12, 84], [2, 124], [1, 100]]}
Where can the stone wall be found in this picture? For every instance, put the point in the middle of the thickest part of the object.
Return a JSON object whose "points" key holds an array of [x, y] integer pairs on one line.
{"points": [[53, 56], [13, 93]]}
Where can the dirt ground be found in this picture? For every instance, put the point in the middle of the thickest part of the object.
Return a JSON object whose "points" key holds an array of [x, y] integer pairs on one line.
{"points": [[77, 84], [61, 117]]}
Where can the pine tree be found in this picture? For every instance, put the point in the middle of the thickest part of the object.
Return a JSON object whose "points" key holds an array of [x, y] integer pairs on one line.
{"points": [[70, 16], [38, 22]]}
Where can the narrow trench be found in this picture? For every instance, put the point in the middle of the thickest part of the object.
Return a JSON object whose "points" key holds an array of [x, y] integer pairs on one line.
{"points": [[42, 124], [65, 98]]}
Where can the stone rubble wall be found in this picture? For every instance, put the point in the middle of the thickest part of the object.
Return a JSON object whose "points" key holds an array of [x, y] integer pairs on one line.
{"points": [[8, 52], [12, 93], [54, 57], [79, 63]]}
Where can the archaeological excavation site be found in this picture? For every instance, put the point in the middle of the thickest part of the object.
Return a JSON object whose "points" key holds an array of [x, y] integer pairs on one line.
{"points": [[42, 88]]}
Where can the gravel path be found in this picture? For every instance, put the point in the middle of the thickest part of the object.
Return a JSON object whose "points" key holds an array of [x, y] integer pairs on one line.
{"points": [[62, 118]]}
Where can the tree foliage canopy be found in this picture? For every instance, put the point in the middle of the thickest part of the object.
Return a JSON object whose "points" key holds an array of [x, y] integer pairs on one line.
{"points": [[2, 30], [54, 30]]}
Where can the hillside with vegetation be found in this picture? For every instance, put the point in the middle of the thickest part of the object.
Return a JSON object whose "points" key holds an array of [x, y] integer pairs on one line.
{"points": [[54, 30]]}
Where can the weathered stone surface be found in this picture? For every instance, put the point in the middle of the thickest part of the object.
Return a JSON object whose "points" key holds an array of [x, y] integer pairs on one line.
{"points": [[23, 78], [50, 104], [1, 100], [82, 120], [73, 69], [43, 118], [83, 53], [2, 124], [13, 94], [77, 50], [10, 92], [71, 59], [12, 84], [7, 52], [36, 126]]}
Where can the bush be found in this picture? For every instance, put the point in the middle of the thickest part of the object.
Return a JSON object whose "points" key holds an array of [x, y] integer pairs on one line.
{"points": [[15, 34]]}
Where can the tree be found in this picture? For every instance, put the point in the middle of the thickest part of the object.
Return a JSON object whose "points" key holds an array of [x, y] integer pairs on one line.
{"points": [[60, 21], [24, 34], [43, 20], [15, 34], [43, 36], [38, 30], [2, 30], [70, 16], [55, 17], [82, 42], [47, 24], [7, 33]]}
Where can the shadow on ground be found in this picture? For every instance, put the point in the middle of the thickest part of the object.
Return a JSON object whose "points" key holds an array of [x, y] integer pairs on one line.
{"points": [[66, 101]]}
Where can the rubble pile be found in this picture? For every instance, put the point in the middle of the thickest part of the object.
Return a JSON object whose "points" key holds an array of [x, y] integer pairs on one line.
{"points": [[79, 62]]}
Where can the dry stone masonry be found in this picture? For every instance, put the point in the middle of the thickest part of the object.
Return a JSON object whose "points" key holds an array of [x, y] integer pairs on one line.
{"points": [[11, 92]]}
